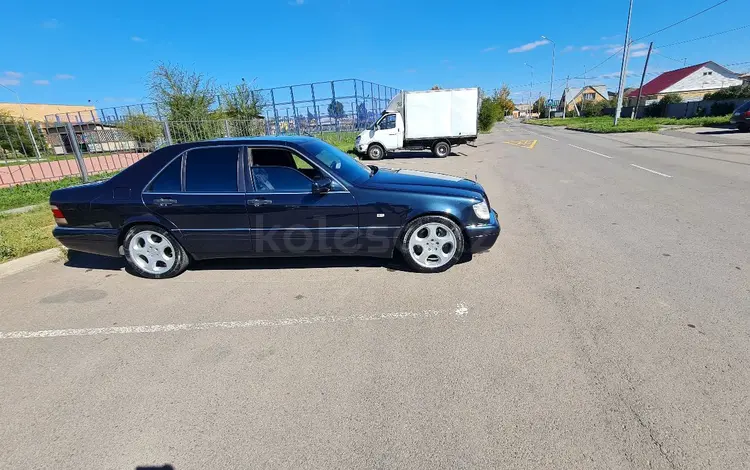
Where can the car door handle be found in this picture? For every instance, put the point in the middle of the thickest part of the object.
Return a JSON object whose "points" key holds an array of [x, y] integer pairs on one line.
{"points": [[259, 202], [165, 201]]}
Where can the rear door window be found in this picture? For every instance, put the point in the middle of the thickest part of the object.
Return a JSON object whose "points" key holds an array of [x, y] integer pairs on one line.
{"points": [[169, 180], [212, 170]]}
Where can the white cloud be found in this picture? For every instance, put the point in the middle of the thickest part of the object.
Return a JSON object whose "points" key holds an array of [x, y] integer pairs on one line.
{"points": [[528, 47], [41, 82], [9, 81], [568, 49], [137, 39], [11, 74], [51, 23], [489, 49], [610, 38], [640, 53], [64, 76], [614, 75], [597, 47], [639, 46]]}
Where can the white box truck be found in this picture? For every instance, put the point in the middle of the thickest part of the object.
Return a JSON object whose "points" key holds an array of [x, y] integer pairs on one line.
{"points": [[418, 120]]}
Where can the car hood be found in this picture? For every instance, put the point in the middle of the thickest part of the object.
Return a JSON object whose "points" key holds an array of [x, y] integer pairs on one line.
{"points": [[423, 181]]}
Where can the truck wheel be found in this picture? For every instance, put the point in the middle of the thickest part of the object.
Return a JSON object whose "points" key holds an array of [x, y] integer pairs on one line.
{"points": [[375, 152], [441, 149]]}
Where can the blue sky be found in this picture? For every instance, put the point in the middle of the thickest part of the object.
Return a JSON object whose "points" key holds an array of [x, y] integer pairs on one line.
{"points": [[103, 52]]}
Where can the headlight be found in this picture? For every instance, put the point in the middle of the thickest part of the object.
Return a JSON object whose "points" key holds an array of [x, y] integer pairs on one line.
{"points": [[356, 141], [481, 210]]}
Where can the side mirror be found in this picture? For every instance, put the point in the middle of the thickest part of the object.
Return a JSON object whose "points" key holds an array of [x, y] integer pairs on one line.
{"points": [[322, 186]]}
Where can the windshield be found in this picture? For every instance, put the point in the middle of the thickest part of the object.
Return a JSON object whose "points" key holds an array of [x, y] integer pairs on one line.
{"points": [[341, 164]]}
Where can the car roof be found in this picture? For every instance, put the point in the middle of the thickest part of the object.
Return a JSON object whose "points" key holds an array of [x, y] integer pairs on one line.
{"points": [[296, 139]]}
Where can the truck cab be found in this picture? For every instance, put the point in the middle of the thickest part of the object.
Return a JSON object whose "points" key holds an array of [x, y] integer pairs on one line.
{"points": [[385, 134]]}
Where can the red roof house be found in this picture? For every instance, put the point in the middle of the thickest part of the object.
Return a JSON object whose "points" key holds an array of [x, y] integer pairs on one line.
{"points": [[689, 82]]}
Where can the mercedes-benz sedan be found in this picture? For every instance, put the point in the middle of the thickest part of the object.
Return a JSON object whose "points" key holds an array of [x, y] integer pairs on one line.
{"points": [[262, 197]]}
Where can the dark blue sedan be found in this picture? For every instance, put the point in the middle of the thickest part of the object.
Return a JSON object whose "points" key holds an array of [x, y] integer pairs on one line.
{"points": [[291, 196]]}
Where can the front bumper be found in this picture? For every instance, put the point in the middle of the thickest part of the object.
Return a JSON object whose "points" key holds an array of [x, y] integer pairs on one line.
{"points": [[99, 241], [482, 237]]}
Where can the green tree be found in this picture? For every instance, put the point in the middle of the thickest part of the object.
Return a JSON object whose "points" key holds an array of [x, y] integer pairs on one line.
{"points": [[539, 105], [242, 102], [187, 99], [487, 114], [505, 105], [659, 108], [143, 129], [336, 109], [15, 141]]}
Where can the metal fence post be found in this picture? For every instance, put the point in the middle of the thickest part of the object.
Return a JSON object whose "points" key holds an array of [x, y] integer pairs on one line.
{"points": [[226, 128], [356, 105], [167, 133], [33, 141], [315, 105], [334, 103], [294, 110], [372, 101], [77, 151], [275, 113]]}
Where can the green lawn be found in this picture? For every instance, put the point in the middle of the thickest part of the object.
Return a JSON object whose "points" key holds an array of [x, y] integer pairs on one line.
{"points": [[23, 234], [603, 124], [38, 193], [343, 140]]}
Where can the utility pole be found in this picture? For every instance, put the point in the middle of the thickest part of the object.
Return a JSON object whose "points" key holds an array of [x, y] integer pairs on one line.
{"points": [[643, 77], [530, 89], [565, 96], [623, 70], [552, 75]]}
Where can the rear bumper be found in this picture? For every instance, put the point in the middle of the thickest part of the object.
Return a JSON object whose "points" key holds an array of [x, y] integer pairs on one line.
{"points": [[482, 237], [98, 241]]}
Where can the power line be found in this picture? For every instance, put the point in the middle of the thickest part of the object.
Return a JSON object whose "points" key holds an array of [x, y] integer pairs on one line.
{"points": [[667, 57], [681, 21], [707, 36]]}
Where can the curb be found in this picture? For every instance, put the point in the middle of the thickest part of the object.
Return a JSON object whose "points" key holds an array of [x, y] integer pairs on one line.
{"points": [[28, 262]]}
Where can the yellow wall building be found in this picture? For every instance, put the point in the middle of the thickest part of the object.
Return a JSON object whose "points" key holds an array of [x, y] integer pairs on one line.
{"points": [[37, 111]]}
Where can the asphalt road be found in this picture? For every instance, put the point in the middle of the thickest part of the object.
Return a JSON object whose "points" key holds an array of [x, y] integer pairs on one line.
{"points": [[608, 328]]}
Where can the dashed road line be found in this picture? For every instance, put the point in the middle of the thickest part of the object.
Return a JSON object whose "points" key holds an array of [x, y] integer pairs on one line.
{"points": [[459, 312], [590, 151], [650, 171]]}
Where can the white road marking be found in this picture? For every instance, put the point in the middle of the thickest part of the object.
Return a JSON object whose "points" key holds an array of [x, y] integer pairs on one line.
{"points": [[651, 171], [548, 137], [459, 312], [590, 151]]}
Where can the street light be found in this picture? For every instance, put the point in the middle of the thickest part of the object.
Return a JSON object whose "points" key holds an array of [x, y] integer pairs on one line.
{"points": [[532, 85], [26, 124], [552, 75]]}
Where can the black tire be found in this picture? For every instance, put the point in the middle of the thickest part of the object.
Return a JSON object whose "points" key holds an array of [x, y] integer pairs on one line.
{"points": [[743, 127], [441, 149], [419, 222], [181, 258], [375, 152]]}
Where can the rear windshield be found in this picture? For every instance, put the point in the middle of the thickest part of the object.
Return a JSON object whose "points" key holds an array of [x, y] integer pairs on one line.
{"points": [[743, 108]]}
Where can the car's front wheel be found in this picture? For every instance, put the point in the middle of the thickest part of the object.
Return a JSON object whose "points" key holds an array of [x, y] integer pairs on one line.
{"points": [[153, 252], [432, 244]]}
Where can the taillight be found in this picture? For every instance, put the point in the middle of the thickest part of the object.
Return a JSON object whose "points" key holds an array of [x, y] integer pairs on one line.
{"points": [[58, 215], [747, 114]]}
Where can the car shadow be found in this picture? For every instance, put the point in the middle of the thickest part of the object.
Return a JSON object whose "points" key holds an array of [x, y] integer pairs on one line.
{"points": [[80, 260], [720, 132], [413, 155]]}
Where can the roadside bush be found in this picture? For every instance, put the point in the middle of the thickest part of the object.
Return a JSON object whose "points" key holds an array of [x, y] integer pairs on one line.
{"points": [[593, 108], [14, 138], [487, 114], [732, 92], [659, 108], [722, 108], [143, 129]]}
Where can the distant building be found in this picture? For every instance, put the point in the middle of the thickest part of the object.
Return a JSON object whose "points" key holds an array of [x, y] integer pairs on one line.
{"points": [[37, 111], [691, 83], [575, 97], [745, 77]]}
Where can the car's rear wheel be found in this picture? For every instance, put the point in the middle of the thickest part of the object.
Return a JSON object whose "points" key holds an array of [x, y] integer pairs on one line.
{"points": [[441, 149], [432, 244], [153, 252], [375, 152], [743, 127]]}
